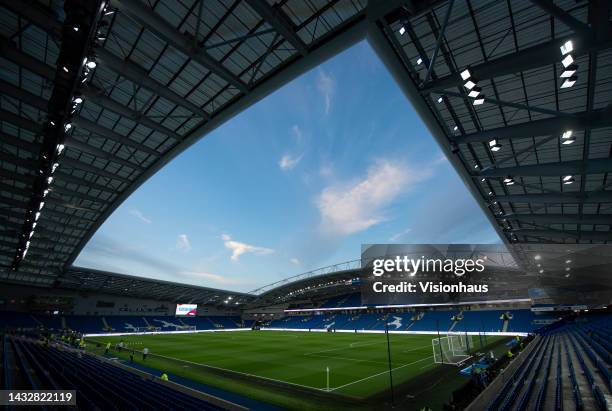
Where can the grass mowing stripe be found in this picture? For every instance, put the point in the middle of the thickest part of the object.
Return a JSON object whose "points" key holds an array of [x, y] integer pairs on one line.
{"points": [[384, 372]]}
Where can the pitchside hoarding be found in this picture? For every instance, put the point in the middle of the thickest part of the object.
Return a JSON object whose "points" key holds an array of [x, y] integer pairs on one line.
{"points": [[186, 310]]}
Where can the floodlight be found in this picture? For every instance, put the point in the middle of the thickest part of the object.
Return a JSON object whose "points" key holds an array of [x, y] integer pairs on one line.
{"points": [[65, 69], [60, 148], [479, 100], [455, 128], [91, 64], [78, 100], [475, 92], [465, 74], [568, 180], [494, 145], [569, 82], [568, 261], [440, 99], [41, 205], [568, 60], [37, 216], [49, 180], [567, 47], [469, 84], [419, 61], [54, 167], [67, 126], [402, 30], [569, 71]]}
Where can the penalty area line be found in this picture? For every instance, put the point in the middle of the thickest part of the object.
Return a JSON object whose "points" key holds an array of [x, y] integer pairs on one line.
{"points": [[380, 373]]}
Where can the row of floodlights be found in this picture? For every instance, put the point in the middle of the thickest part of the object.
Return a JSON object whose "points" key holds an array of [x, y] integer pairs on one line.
{"points": [[569, 67], [89, 63]]}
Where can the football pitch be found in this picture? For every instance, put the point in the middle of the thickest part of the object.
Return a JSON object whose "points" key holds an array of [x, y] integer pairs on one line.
{"points": [[358, 363]]}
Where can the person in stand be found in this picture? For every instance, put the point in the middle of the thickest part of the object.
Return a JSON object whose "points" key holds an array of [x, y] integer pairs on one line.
{"points": [[164, 377], [509, 354], [108, 346], [132, 356], [145, 352]]}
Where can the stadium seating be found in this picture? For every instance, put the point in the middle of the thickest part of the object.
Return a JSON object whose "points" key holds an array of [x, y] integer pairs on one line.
{"points": [[570, 356], [115, 323], [100, 385]]}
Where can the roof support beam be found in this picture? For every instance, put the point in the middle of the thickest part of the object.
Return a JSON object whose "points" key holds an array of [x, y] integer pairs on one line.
{"points": [[556, 125], [562, 218], [558, 198], [19, 121], [69, 178], [593, 166], [281, 23], [558, 234], [533, 57], [563, 16], [166, 32], [138, 75], [10, 52], [109, 134], [106, 102], [79, 165]]}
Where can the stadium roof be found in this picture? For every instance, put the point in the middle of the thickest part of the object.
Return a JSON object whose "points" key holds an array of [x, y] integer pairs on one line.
{"points": [[112, 92]]}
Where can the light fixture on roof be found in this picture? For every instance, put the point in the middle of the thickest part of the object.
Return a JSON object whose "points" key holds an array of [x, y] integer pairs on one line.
{"points": [[419, 61], [568, 261], [440, 99], [469, 84], [67, 126], [567, 61], [567, 268], [569, 82], [402, 30], [567, 47], [31, 234], [569, 71], [568, 180], [474, 92], [37, 216], [41, 205], [77, 99], [479, 100], [465, 74], [509, 181], [60, 148], [75, 28], [567, 137], [541, 271], [494, 145], [455, 128], [49, 180], [483, 179], [54, 167], [45, 192], [65, 69], [91, 64]]}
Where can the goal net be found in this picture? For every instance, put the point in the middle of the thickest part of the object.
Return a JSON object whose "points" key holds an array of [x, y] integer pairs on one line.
{"points": [[452, 349]]}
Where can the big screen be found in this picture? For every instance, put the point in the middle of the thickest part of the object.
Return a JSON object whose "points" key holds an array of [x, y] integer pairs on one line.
{"points": [[188, 310]]}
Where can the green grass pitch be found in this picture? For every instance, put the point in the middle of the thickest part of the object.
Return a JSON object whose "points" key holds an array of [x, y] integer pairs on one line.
{"points": [[357, 362]]}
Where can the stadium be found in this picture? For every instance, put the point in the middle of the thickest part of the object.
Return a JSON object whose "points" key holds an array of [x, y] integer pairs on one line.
{"points": [[503, 108]]}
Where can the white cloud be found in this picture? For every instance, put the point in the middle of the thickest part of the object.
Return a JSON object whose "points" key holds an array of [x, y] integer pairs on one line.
{"points": [[140, 216], [399, 235], [326, 86], [296, 132], [211, 277], [295, 261], [182, 243], [239, 248], [349, 208], [287, 162]]}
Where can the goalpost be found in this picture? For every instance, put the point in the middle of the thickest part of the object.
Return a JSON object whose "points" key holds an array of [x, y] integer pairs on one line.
{"points": [[452, 349]]}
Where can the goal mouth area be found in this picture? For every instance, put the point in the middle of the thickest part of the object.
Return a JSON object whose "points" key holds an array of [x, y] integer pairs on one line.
{"points": [[452, 349]]}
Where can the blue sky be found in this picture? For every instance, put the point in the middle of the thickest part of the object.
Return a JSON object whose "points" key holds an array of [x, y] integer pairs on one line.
{"points": [[332, 160]]}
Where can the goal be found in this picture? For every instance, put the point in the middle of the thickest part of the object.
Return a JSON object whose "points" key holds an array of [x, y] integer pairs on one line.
{"points": [[452, 349]]}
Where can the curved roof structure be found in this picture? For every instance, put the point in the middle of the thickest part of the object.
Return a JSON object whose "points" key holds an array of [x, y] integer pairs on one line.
{"points": [[97, 96]]}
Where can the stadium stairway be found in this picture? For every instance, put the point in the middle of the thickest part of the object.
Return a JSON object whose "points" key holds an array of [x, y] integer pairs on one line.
{"points": [[100, 385]]}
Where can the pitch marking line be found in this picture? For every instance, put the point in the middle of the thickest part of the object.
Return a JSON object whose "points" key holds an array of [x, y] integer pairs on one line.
{"points": [[331, 357], [380, 373]]}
